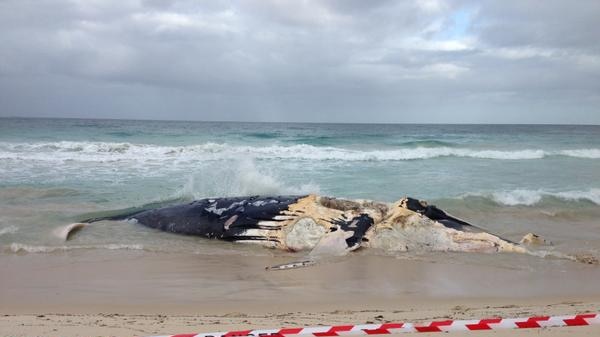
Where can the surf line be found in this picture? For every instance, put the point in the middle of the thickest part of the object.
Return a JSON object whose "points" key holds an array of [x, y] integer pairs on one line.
{"points": [[435, 326]]}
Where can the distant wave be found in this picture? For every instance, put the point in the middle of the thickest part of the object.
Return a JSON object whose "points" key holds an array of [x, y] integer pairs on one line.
{"points": [[582, 153], [523, 197], [24, 248], [263, 135], [102, 152], [427, 143], [8, 230]]}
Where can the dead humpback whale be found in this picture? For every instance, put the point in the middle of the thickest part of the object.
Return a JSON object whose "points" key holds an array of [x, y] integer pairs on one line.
{"points": [[321, 225]]}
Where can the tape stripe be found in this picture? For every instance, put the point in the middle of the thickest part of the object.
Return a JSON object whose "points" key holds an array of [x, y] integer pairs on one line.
{"points": [[534, 322]]}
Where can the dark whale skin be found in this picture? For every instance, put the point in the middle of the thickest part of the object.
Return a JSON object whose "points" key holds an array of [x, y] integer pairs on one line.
{"points": [[229, 219], [220, 218]]}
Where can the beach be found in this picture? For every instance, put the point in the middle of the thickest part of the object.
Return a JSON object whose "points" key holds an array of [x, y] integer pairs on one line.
{"points": [[140, 294], [117, 278], [115, 324]]}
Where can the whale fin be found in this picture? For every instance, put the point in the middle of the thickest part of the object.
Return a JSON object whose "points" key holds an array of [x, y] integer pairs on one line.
{"points": [[67, 232]]}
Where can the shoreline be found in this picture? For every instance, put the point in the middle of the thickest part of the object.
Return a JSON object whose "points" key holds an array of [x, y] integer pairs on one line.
{"points": [[139, 293]]}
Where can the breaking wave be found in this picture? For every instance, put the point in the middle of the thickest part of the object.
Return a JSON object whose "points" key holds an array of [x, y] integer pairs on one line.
{"points": [[102, 152], [240, 178], [523, 197]]}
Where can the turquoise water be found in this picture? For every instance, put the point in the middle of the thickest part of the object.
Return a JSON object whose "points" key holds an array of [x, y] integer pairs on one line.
{"points": [[53, 170]]}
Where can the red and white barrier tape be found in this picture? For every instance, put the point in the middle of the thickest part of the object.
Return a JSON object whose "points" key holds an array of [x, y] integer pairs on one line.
{"points": [[393, 328]]}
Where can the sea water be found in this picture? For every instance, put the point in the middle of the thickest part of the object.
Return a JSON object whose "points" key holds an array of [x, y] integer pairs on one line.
{"points": [[511, 179]]}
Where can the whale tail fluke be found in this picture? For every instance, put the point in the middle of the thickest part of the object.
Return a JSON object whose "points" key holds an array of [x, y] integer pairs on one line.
{"points": [[66, 232]]}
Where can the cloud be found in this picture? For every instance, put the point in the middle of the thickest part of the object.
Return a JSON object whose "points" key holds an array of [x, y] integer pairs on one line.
{"points": [[380, 61]]}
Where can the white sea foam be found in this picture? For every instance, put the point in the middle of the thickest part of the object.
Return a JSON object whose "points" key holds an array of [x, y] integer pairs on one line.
{"points": [[8, 230], [522, 197], [592, 195], [582, 153], [240, 178], [518, 197], [108, 152], [24, 248]]}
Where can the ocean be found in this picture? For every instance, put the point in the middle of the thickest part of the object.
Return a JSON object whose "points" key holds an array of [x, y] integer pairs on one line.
{"points": [[510, 179]]}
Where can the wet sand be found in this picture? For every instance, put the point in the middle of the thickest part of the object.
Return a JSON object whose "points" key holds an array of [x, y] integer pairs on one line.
{"points": [[126, 293]]}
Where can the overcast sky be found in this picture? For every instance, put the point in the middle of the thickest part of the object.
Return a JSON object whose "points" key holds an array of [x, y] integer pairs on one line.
{"points": [[322, 61]]}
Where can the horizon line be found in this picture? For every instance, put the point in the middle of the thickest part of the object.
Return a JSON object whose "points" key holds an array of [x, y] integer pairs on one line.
{"points": [[288, 122]]}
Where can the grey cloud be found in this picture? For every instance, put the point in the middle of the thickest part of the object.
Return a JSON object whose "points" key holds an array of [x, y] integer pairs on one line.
{"points": [[335, 61], [551, 23]]}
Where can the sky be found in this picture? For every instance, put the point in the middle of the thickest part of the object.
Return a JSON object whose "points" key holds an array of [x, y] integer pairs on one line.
{"points": [[415, 61]]}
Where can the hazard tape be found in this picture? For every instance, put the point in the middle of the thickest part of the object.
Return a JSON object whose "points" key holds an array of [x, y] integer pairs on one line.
{"points": [[393, 328]]}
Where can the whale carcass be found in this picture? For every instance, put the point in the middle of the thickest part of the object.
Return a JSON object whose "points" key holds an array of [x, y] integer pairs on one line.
{"points": [[320, 224]]}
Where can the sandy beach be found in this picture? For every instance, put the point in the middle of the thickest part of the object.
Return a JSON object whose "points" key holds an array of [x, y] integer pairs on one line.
{"points": [[137, 293], [116, 324]]}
